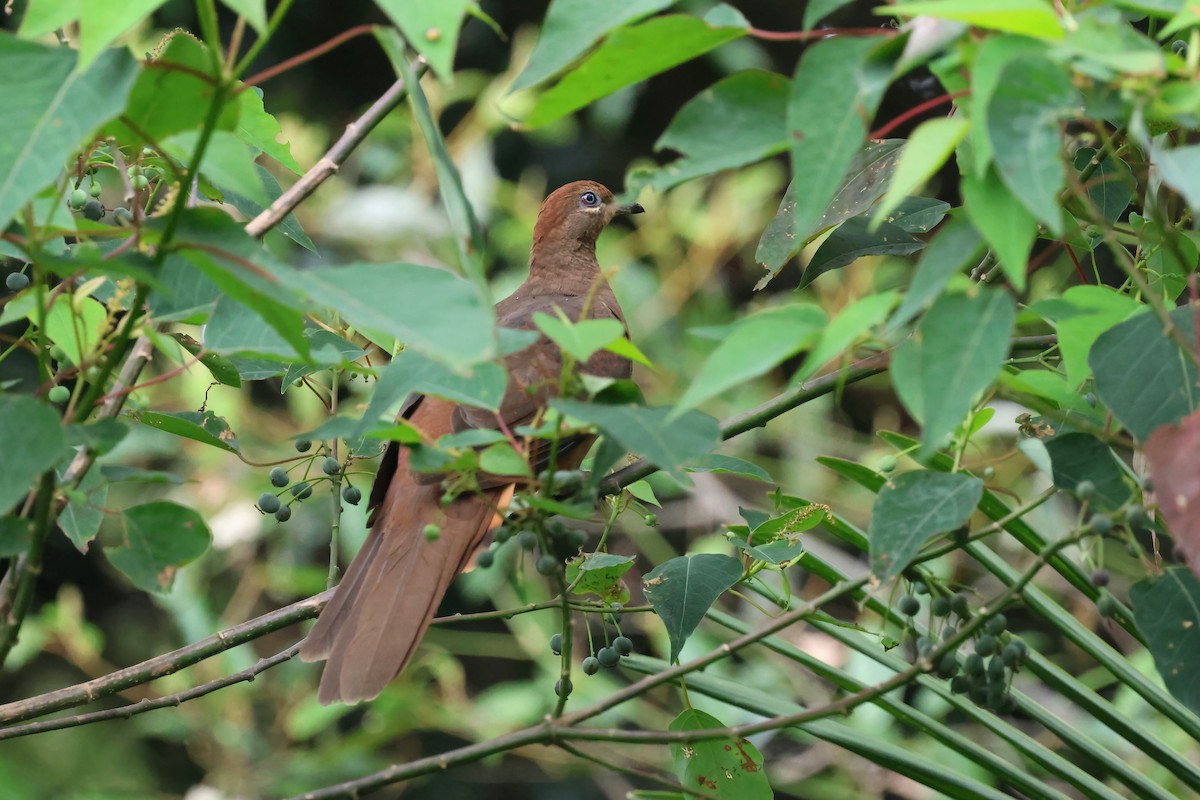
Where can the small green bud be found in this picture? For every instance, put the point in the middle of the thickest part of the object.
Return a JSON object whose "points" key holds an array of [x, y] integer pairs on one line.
{"points": [[57, 353], [95, 189], [432, 532], [651, 520], [1085, 489], [887, 464], [484, 559], [58, 395], [78, 199], [268, 502]]}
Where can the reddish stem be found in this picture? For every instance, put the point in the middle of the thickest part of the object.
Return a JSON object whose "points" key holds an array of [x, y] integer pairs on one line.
{"points": [[801, 36], [1078, 269], [920, 108], [308, 55]]}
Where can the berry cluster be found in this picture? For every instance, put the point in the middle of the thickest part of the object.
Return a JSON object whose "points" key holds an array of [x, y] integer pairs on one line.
{"points": [[274, 502], [608, 656]]}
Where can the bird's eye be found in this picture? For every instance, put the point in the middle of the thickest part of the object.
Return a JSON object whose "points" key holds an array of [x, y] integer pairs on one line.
{"points": [[589, 200]]}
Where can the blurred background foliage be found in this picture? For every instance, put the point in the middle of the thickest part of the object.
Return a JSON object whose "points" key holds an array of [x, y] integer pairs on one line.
{"points": [[686, 265]]}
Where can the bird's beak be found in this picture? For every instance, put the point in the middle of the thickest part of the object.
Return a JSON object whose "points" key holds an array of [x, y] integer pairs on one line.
{"points": [[632, 208]]}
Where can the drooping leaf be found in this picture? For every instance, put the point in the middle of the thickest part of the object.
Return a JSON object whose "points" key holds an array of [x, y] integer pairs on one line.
{"points": [[1024, 122], [228, 162], [570, 29], [729, 465], [50, 108], [234, 328], [98, 437], [1110, 188], [75, 324], [1078, 457], [850, 325], [254, 12], [927, 150], [958, 349], [598, 574], [750, 110], [914, 508], [1167, 612], [160, 538], [630, 55], [33, 437], [581, 339], [855, 239], [954, 247], [1171, 452], [865, 181], [1004, 222], [667, 439], [728, 768], [918, 214], [1028, 17], [81, 518], [683, 589], [502, 459], [185, 294], [327, 349], [15, 535], [1142, 375], [1079, 317], [205, 427], [429, 28], [757, 344]]}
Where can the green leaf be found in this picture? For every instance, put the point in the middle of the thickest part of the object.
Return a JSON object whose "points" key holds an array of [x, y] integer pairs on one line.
{"points": [[1003, 221], [854, 239], [185, 294], [1078, 457], [1142, 375], [50, 109], [327, 350], [1028, 17], [865, 181], [75, 324], [45, 16], [836, 89], [98, 437], [160, 538], [502, 459], [222, 369], [750, 110], [205, 427], [260, 130], [1167, 612], [1103, 43], [918, 214], [956, 246], [33, 437], [729, 465], [429, 28], [757, 344], [101, 22], [788, 524], [81, 518], [429, 309], [1178, 167], [816, 10], [1079, 317], [927, 150], [993, 55], [598, 574], [581, 339], [913, 509], [728, 768], [255, 12], [667, 439], [235, 328], [683, 589], [852, 324], [15, 535], [228, 162], [642, 490], [1025, 115], [939, 372], [571, 27], [628, 56]]}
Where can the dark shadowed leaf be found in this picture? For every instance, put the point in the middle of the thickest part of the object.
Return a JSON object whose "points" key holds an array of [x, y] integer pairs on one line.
{"points": [[33, 437], [816, 10], [913, 509], [205, 427], [15, 535], [729, 465], [928, 147], [1077, 457], [666, 439], [853, 240], [728, 768], [1142, 375], [1167, 612], [684, 588], [160, 538], [959, 347], [1110, 187], [1171, 452]]}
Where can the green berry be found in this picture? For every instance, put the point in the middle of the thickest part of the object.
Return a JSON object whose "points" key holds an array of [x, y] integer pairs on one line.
{"points": [[1107, 605], [608, 657], [432, 532], [279, 477], [940, 606], [284, 513], [985, 645], [303, 445], [58, 395], [947, 666], [949, 632], [302, 490], [996, 695], [57, 353], [974, 664], [651, 520], [1085, 489], [978, 693], [503, 534], [623, 645], [95, 188], [331, 466], [1100, 578], [352, 495], [484, 559], [1179, 47], [563, 687], [961, 684], [1012, 654], [16, 281], [615, 616], [528, 540], [919, 587], [924, 646], [995, 668], [556, 644], [591, 665], [960, 605], [996, 624], [123, 216], [887, 463], [268, 502], [139, 182], [547, 564], [909, 605], [78, 199], [1101, 524], [1136, 517], [93, 210], [989, 472]]}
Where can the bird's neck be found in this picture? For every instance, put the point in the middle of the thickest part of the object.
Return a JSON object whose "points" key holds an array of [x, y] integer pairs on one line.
{"points": [[567, 268]]}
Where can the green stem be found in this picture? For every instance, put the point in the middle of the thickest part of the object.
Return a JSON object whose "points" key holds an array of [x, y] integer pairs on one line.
{"points": [[273, 24], [27, 569]]}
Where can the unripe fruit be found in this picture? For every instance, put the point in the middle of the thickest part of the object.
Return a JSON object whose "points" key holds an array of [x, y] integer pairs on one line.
{"points": [[122, 216], [940, 607], [302, 490], [1085, 489], [1101, 524], [352, 495], [95, 189], [139, 182], [576, 539], [432, 532], [974, 664], [556, 644], [330, 466], [563, 687], [528, 540], [985, 645], [93, 210], [920, 588], [960, 684], [547, 565], [16, 281], [303, 445], [57, 353], [623, 645], [1107, 605], [503, 534], [608, 657], [484, 559], [279, 477], [58, 394], [615, 617], [268, 502], [995, 669], [947, 666], [995, 625], [960, 605], [1012, 654], [1136, 517], [283, 514], [591, 665], [78, 199], [909, 605], [887, 463]]}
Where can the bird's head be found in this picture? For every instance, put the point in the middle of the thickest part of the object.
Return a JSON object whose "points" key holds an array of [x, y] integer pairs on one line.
{"points": [[577, 213]]}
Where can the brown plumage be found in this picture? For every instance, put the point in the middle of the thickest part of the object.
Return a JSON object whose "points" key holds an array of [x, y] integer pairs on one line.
{"points": [[381, 609]]}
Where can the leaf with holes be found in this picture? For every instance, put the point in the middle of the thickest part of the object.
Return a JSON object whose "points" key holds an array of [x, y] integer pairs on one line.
{"points": [[727, 768]]}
